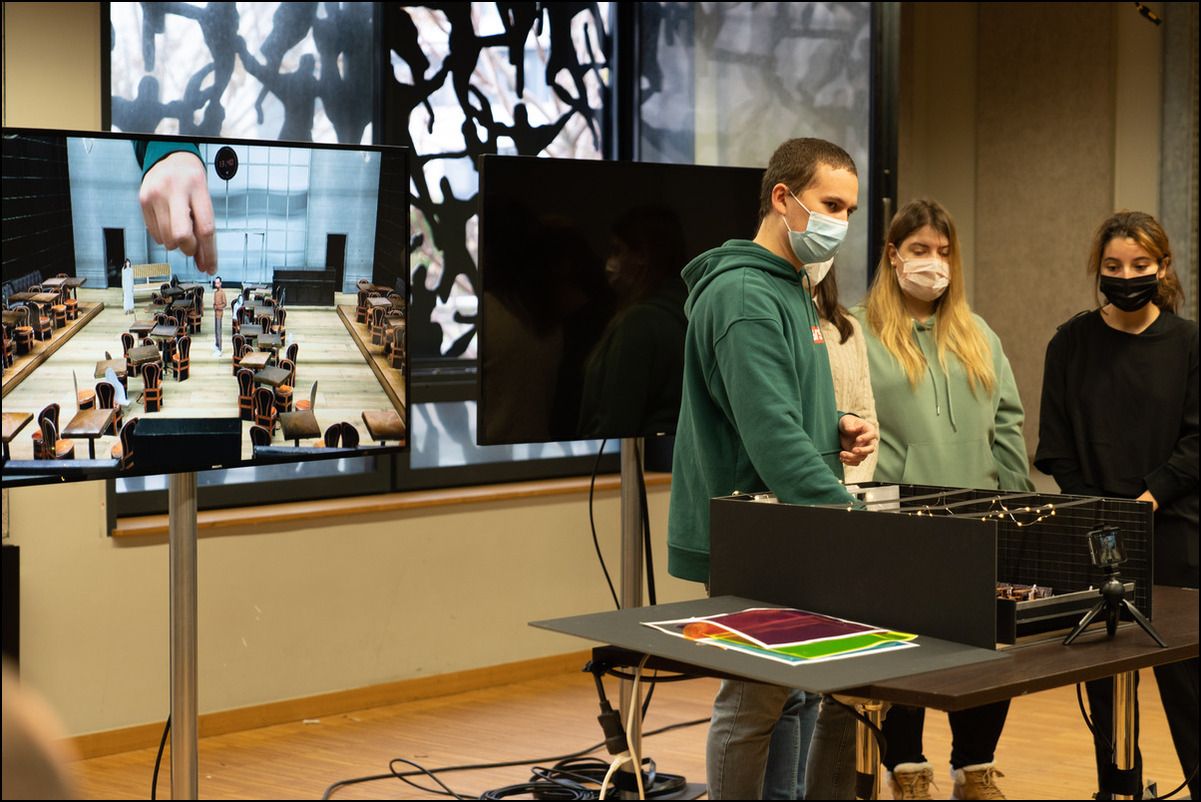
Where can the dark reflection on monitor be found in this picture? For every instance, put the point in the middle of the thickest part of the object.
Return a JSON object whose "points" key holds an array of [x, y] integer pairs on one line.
{"points": [[582, 321], [125, 356]]}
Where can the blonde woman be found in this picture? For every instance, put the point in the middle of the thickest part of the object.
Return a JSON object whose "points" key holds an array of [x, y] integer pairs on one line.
{"points": [[949, 415]]}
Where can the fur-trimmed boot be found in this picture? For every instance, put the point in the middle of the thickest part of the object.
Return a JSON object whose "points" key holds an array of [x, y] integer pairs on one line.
{"points": [[976, 782], [910, 780]]}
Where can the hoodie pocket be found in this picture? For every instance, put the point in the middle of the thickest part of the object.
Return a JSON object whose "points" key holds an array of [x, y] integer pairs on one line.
{"points": [[964, 464]]}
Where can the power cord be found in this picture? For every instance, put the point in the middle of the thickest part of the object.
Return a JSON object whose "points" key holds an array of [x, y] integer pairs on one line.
{"points": [[558, 761], [592, 522], [158, 759]]}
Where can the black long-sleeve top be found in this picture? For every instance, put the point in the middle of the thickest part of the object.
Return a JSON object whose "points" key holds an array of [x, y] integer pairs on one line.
{"points": [[1119, 416]]}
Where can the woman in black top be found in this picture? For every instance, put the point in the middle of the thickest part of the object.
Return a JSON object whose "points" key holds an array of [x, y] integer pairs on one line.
{"points": [[1119, 419]]}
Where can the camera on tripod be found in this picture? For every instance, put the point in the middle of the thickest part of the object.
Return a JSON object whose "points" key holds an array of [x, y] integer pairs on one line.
{"points": [[1107, 552], [1105, 546]]}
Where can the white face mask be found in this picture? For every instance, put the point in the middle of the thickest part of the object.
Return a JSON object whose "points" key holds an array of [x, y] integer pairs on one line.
{"points": [[926, 278], [818, 271], [821, 239]]}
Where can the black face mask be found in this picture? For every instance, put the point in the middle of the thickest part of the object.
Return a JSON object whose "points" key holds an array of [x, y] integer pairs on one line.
{"points": [[1130, 294]]}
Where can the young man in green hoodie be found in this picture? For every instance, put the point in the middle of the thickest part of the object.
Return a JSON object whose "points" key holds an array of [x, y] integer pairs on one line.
{"points": [[758, 415]]}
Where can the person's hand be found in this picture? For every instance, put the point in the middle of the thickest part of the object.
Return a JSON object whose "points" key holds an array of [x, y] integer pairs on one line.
{"points": [[1146, 496], [178, 210], [858, 439]]}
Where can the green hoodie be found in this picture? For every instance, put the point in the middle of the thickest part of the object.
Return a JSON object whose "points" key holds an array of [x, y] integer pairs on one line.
{"points": [[940, 432], [758, 412]]}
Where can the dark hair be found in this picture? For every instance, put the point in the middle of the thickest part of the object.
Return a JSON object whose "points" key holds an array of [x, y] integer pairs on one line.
{"points": [[1150, 236], [795, 164], [654, 233], [825, 295]]}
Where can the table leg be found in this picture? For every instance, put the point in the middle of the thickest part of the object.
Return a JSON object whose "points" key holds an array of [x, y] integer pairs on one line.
{"points": [[867, 750], [1123, 723]]}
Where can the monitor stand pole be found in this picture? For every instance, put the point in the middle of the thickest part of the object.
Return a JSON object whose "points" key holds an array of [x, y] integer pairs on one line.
{"points": [[182, 557]]}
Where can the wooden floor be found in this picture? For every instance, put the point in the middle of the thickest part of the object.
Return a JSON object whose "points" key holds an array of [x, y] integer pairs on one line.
{"points": [[1045, 753], [346, 383]]}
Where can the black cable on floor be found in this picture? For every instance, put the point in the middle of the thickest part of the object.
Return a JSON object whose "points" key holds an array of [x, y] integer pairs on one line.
{"points": [[403, 776]]}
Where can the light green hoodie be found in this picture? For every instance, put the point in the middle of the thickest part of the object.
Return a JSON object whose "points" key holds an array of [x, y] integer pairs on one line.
{"points": [[758, 410], [940, 432]]}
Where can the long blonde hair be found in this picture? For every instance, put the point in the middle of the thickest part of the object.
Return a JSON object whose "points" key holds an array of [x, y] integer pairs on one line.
{"points": [[955, 330]]}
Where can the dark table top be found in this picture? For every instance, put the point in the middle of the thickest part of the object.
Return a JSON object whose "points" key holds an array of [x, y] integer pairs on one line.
{"points": [[256, 360], [384, 425], [89, 423], [144, 353], [298, 425], [14, 422], [1047, 663], [968, 676], [271, 376], [118, 366]]}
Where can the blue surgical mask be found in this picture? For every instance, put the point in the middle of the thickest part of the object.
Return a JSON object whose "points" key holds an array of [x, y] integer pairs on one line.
{"points": [[820, 240]]}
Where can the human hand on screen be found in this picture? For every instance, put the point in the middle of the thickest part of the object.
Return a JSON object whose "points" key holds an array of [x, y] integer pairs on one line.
{"points": [[858, 439], [178, 210]]}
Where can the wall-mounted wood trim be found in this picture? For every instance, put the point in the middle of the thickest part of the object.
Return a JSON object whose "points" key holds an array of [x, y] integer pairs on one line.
{"points": [[328, 704], [207, 520]]}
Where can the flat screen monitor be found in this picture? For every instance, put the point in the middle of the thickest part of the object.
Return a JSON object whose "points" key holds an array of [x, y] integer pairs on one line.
{"points": [[582, 304], [112, 336]]}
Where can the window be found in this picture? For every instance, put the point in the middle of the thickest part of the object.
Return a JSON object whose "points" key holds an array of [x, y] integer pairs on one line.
{"points": [[464, 79]]}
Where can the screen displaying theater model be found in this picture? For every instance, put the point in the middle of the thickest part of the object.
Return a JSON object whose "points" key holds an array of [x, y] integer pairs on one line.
{"points": [[122, 357], [582, 305]]}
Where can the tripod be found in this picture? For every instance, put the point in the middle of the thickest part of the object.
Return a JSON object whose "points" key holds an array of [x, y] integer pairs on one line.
{"points": [[1113, 600]]}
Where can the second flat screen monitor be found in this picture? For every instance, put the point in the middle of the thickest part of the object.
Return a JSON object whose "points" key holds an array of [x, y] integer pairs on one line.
{"points": [[582, 304]]}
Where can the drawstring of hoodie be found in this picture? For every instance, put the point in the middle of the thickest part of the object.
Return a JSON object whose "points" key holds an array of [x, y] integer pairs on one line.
{"points": [[934, 386]]}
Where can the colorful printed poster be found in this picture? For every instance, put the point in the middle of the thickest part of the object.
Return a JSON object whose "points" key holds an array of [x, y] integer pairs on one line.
{"points": [[787, 635]]}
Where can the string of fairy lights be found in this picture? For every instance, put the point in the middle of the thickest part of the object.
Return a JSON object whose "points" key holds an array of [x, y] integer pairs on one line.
{"points": [[1001, 507]]}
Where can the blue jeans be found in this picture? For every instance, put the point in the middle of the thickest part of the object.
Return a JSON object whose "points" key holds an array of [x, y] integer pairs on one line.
{"points": [[758, 741], [831, 769]]}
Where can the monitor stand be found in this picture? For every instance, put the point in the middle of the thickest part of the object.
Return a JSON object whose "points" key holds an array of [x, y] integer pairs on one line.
{"points": [[181, 490], [632, 571]]}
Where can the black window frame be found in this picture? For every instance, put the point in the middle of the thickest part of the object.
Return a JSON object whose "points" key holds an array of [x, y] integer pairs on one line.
{"points": [[456, 380]]}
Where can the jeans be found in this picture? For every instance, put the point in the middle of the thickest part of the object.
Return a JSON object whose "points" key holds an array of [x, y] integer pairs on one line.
{"points": [[831, 768], [788, 752], [758, 741]]}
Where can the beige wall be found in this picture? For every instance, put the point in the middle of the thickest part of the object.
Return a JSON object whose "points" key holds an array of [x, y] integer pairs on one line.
{"points": [[284, 612], [1031, 123]]}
